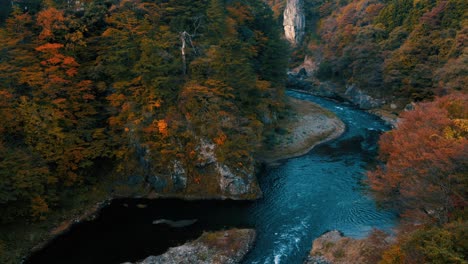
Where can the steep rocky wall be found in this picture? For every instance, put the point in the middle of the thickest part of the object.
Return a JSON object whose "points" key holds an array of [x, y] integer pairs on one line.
{"points": [[205, 176], [294, 21]]}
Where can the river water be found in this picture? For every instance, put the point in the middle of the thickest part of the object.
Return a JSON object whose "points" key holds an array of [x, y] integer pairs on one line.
{"points": [[303, 198]]}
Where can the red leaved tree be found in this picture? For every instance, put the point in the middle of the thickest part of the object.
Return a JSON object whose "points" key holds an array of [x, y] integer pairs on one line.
{"points": [[425, 158]]}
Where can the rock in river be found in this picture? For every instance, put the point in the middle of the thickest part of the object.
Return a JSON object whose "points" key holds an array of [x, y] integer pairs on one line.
{"points": [[222, 247]]}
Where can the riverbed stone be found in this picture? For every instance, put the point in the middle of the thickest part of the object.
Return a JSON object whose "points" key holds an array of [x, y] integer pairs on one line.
{"points": [[222, 247]]}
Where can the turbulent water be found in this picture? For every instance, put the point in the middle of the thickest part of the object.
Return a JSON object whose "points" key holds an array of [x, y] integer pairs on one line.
{"points": [[303, 198]]}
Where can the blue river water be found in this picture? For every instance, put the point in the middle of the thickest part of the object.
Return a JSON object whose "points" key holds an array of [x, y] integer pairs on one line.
{"points": [[303, 198], [320, 191]]}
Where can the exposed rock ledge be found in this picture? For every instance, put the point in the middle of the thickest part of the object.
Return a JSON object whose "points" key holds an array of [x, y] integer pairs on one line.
{"points": [[334, 248], [222, 247], [309, 126]]}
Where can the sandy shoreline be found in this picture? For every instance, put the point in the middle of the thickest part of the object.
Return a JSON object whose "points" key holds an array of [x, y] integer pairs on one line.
{"points": [[308, 126]]}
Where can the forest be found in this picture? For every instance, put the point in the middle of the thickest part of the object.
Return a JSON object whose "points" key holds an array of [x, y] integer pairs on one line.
{"points": [[392, 49], [95, 93], [424, 178], [91, 90]]}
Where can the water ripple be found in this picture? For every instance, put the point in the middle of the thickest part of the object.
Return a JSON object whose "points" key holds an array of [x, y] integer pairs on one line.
{"points": [[320, 191]]}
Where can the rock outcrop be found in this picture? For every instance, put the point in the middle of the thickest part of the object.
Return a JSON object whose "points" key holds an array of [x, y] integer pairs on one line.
{"points": [[222, 247], [334, 248], [234, 182], [206, 176], [361, 99], [350, 92], [294, 22]]}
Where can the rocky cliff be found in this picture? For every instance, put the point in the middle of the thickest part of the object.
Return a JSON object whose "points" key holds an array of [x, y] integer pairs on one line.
{"points": [[222, 247], [208, 175], [303, 78], [294, 21]]}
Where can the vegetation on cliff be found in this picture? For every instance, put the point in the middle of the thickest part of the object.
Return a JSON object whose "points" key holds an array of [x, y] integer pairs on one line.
{"points": [[413, 51], [404, 49], [112, 91], [424, 177]]}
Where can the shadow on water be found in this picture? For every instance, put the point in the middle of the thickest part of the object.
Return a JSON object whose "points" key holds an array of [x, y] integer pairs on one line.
{"points": [[124, 230], [303, 198]]}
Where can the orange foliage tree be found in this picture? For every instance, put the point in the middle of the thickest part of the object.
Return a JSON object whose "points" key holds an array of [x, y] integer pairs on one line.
{"points": [[425, 161]]}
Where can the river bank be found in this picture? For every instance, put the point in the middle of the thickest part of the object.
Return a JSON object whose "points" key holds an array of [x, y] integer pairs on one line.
{"points": [[385, 112], [307, 126]]}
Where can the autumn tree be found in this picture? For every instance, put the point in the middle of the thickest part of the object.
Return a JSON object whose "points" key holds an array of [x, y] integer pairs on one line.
{"points": [[55, 135], [95, 92], [424, 175], [91, 81], [402, 49], [430, 244], [60, 101], [23, 173]]}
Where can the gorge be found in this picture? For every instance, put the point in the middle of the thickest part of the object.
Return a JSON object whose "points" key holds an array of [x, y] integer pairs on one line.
{"points": [[142, 131], [303, 198]]}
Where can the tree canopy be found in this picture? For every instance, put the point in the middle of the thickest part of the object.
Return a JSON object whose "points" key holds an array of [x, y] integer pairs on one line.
{"points": [[406, 49], [133, 84]]}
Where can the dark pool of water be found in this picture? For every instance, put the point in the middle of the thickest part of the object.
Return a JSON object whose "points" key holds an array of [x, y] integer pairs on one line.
{"points": [[125, 232], [303, 198]]}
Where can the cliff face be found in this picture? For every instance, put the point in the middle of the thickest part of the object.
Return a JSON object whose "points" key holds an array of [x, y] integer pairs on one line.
{"points": [[294, 21], [207, 176]]}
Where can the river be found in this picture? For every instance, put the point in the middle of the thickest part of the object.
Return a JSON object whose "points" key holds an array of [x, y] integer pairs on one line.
{"points": [[303, 198]]}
